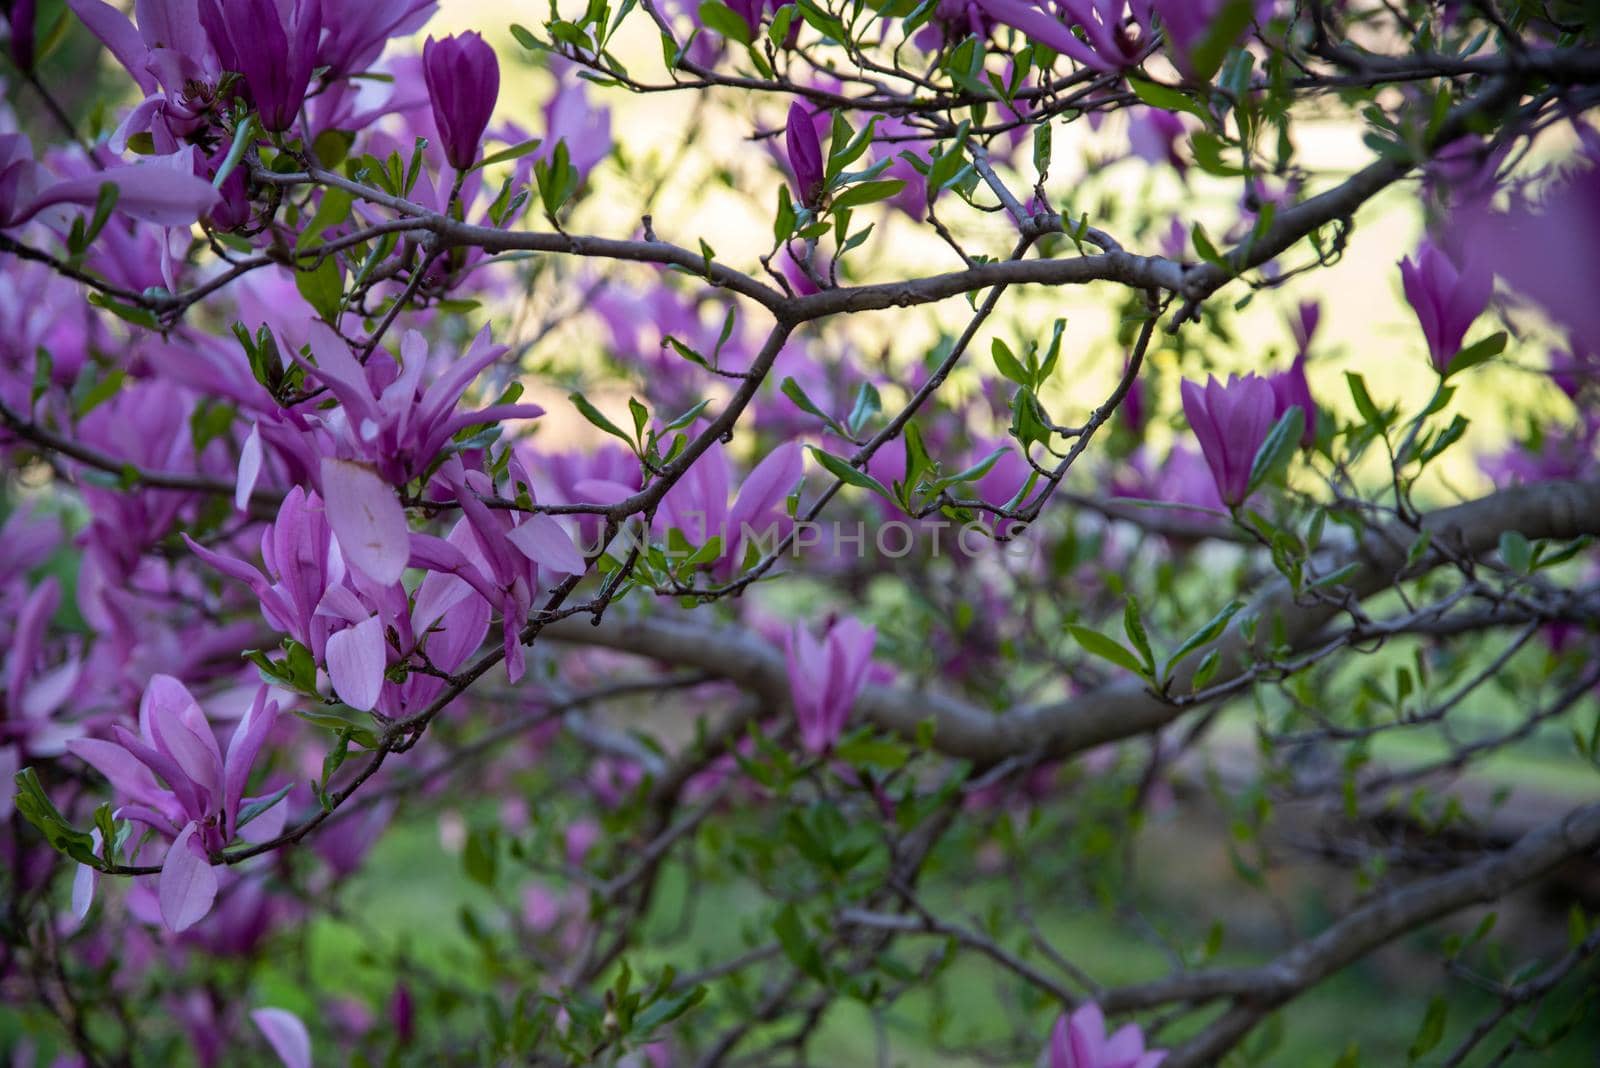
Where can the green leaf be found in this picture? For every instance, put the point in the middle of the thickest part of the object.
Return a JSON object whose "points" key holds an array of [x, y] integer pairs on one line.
{"points": [[796, 393], [1226, 26], [323, 288], [597, 418], [1133, 626], [255, 808], [867, 404], [37, 808], [506, 155], [1516, 551], [1105, 648], [1275, 452], [1166, 98], [845, 473], [720, 18], [478, 857], [1364, 404], [867, 193], [1476, 353], [1006, 362], [797, 945], [1432, 1030], [1204, 636]]}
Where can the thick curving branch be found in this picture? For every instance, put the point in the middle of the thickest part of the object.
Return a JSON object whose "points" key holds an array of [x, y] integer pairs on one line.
{"points": [[1125, 708]]}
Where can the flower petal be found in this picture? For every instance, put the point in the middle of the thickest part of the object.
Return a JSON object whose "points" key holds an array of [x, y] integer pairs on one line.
{"points": [[367, 520], [287, 1035], [544, 541], [356, 660], [188, 885]]}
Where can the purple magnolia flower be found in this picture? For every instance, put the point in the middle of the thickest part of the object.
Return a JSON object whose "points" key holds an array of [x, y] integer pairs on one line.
{"points": [[389, 429], [355, 31], [571, 117], [1154, 135], [162, 190], [463, 79], [171, 60], [1079, 1041], [497, 552], [1291, 390], [1108, 49], [1231, 422], [826, 677], [273, 46], [204, 788], [1304, 323], [805, 155], [698, 505], [1447, 299], [308, 593], [1187, 23], [1549, 250]]}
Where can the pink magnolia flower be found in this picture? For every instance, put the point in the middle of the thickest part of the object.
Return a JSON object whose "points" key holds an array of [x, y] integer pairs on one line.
{"points": [[698, 505], [161, 190], [1447, 299], [825, 678], [1291, 389], [355, 31], [805, 154], [272, 46], [308, 594], [204, 789], [1106, 46], [497, 552], [1079, 1041], [1548, 250], [388, 417], [170, 59], [463, 79], [1231, 421]]}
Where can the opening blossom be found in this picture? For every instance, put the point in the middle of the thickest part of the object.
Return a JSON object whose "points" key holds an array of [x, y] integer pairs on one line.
{"points": [[1231, 421], [204, 788], [463, 79], [825, 678], [1447, 299], [1079, 1041]]}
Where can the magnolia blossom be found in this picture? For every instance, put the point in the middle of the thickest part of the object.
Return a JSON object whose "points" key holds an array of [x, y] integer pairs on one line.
{"points": [[825, 678], [272, 46], [698, 505], [161, 190], [463, 79], [1291, 389], [1232, 422], [199, 805], [805, 155], [1447, 299], [1079, 1041]]}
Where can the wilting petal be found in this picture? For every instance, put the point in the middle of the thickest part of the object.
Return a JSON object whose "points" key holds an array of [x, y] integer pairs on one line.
{"points": [[545, 542], [188, 885], [367, 520], [356, 660], [287, 1035]]}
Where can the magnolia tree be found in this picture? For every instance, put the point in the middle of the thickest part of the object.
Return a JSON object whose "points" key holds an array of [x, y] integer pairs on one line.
{"points": [[848, 659]]}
